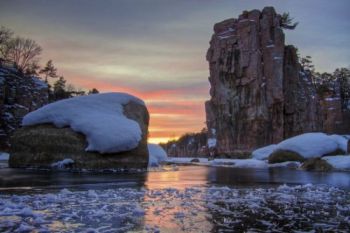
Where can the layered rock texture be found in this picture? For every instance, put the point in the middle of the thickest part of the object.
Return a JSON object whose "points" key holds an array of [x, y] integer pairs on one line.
{"points": [[260, 94], [41, 146], [19, 95]]}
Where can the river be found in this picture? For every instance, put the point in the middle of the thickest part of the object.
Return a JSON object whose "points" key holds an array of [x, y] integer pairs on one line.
{"points": [[175, 199]]}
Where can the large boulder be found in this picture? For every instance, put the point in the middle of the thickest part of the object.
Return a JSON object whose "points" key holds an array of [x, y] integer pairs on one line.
{"points": [[44, 142], [303, 147]]}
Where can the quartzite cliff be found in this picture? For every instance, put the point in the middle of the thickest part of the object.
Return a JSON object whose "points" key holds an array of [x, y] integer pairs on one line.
{"points": [[260, 93]]}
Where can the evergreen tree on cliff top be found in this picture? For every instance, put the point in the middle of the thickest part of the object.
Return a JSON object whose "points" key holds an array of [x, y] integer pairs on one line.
{"points": [[287, 21]]}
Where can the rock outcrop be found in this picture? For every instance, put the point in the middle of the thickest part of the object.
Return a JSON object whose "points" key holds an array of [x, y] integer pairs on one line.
{"points": [[19, 95], [41, 146], [260, 93]]}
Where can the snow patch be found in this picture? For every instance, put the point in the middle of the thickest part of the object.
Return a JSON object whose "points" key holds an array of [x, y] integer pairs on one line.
{"points": [[99, 117], [156, 154], [312, 145], [240, 163], [4, 156], [339, 162], [63, 163], [264, 152], [341, 141], [211, 142], [237, 163]]}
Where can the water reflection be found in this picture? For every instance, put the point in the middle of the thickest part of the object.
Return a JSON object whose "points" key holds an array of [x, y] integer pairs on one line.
{"points": [[28, 181], [174, 209], [179, 178]]}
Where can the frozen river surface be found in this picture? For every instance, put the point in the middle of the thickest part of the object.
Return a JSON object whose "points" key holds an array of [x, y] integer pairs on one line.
{"points": [[186, 199]]}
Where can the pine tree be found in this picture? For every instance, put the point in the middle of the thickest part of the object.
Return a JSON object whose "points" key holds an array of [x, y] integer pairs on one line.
{"points": [[306, 63], [59, 89], [343, 75], [287, 22], [49, 71]]}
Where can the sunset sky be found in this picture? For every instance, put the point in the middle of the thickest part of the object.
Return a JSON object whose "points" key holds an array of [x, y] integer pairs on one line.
{"points": [[155, 49]]}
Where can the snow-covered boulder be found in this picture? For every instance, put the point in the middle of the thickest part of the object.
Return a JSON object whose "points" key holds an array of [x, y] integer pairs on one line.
{"points": [[304, 146], [313, 145], [97, 131], [156, 154]]}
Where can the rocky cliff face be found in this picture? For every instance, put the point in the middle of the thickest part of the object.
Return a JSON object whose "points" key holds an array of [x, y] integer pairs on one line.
{"points": [[302, 111], [19, 95], [259, 92]]}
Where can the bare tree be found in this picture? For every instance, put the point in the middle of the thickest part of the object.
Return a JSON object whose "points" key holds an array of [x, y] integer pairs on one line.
{"points": [[32, 69], [23, 52], [287, 22]]}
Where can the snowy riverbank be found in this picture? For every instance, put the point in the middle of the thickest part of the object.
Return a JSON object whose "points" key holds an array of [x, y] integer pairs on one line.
{"points": [[340, 163]]}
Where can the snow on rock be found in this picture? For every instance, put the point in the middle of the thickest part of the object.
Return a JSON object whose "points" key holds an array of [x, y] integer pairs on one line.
{"points": [[287, 164], [63, 163], [264, 152], [311, 145], [99, 117], [339, 162], [156, 154], [4, 156], [341, 141], [308, 145]]}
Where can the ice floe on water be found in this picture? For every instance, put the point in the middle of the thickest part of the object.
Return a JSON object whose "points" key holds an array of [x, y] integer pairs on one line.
{"points": [[309, 208]]}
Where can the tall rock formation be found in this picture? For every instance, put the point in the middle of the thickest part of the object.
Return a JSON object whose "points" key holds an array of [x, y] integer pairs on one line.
{"points": [[19, 95], [259, 92]]}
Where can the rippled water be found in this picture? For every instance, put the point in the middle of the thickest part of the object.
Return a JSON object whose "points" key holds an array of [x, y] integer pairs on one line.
{"points": [[185, 199]]}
